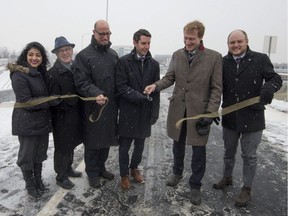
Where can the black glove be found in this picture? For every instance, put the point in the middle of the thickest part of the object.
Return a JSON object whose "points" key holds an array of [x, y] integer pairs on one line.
{"points": [[202, 126], [266, 94]]}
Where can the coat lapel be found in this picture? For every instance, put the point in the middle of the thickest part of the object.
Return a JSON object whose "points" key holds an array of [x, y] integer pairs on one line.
{"points": [[135, 70], [243, 65]]}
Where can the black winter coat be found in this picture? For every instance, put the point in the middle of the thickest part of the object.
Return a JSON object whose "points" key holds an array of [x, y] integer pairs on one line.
{"points": [[67, 114], [94, 74], [33, 120], [136, 114], [245, 84]]}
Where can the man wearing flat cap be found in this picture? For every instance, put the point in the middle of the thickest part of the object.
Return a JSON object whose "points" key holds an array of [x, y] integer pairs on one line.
{"points": [[66, 113]]}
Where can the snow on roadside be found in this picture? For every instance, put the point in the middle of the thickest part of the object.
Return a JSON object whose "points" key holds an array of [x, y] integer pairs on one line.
{"points": [[276, 132]]}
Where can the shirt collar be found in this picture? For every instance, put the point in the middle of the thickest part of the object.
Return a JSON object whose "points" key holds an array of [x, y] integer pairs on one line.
{"points": [[235, 57]]}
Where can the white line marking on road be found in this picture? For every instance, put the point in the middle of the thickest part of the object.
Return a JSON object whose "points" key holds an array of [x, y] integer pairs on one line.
{"points": [[50, 207]]}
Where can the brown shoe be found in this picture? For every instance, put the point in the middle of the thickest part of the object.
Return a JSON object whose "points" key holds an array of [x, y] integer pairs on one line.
{"points": [[125, 183], [135, 173], [223, 183], [244, 197]]}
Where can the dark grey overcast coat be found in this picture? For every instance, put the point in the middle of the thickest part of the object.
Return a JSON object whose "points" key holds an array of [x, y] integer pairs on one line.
{"points": [[67, 114], [255, 69], [33, 120], [94, 74], [136, 113]]}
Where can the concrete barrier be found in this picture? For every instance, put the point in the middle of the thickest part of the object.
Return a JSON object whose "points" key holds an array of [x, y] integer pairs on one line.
{"points": [[7, 95]]}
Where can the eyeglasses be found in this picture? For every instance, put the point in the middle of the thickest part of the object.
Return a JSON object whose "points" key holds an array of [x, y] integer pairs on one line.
{"points": [[102, 34], [67, 49]]}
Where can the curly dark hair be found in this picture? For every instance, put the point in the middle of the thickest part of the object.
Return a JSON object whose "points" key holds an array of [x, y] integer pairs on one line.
{"points": [[22, 59]]}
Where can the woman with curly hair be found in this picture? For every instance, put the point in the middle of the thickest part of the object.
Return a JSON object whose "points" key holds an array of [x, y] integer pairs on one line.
{"points": [[32, 124]]}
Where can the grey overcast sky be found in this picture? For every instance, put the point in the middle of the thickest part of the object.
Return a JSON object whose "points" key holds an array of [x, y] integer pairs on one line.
{"points": [[23, 21]]}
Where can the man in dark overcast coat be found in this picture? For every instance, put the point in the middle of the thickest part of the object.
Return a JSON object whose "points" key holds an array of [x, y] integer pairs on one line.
{"points": [[94, 71]]}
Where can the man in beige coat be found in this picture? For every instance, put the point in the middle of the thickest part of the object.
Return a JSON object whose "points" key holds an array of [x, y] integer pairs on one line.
{"points": [[197, 74]]}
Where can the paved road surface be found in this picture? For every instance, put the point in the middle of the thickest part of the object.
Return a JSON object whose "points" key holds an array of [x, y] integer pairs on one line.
{"points": [[269, 193]]}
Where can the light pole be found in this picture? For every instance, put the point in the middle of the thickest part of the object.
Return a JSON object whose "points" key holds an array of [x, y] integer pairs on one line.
{"points": [[107, 11], [83, 38]]}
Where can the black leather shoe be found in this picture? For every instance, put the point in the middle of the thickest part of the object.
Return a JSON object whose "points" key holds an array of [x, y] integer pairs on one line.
{"points": [[173, 180], [195, 196], [107, 175], [95, 182], [73, 173], [65, 183], [223, 183]]}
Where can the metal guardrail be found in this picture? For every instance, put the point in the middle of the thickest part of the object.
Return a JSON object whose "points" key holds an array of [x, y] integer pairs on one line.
{"points": [[7, 95], [3, 61]]}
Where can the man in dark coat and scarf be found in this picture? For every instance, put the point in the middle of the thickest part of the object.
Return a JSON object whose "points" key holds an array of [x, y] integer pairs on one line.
{"points": [[246, 74], [94, 71], [136, 112], [66, 113]]}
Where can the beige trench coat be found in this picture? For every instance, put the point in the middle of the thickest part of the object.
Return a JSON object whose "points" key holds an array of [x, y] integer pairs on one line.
{"points": [[198, 89]]}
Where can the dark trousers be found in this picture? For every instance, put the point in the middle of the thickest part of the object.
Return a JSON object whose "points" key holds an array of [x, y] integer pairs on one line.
{"points": [[124, 147], [33, 149], [63, 163], [95, 161], [198, 162]]}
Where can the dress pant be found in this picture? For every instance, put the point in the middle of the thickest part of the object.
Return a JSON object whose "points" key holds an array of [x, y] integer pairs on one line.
{"points": [[249, 143], [62, 163], [124, 147], [198, 161], [63, 159], [33, 149], [95, 161]]}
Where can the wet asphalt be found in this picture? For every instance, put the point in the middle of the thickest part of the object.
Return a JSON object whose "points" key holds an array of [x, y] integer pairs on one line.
{"points": [[269, 192]]}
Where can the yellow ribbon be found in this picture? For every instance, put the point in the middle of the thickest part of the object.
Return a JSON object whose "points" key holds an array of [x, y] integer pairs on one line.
{"points": [[224, 111], [38, 101], [229, 109], [91, 117]]}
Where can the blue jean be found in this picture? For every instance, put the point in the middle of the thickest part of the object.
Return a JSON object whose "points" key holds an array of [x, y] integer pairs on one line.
{"points": [[249, 143], [124, 147]]}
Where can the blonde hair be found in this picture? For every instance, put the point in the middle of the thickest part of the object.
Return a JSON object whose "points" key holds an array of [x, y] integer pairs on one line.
{"points": [[195, 26]]}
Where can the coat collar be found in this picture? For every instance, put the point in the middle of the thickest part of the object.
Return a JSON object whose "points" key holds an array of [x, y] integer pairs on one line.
{"points": [[60, 67], [200, 47], [134, 55], [22, 69], [249, 54], [247, 59], [135, 64], [97, 46]]}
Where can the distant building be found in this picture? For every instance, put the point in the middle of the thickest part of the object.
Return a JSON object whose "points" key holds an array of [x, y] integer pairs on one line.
{"points": [[163, 59], [122, 50]]}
